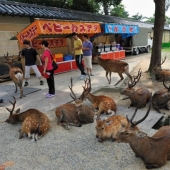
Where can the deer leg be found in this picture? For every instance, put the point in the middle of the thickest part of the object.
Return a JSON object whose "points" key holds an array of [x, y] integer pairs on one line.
{"points": [[21, 134], [130, 77], [21, 93], [157, 109], [107, 77], [59, 122], [16, 89], [110, 77], [121, 78]]}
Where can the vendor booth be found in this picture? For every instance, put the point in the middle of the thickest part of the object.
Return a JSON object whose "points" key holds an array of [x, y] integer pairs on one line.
{"points": [[57, 33], [115, 49]]}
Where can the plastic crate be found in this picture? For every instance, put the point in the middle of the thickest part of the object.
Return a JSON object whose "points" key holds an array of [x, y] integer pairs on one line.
{"points": [[68, 57]]}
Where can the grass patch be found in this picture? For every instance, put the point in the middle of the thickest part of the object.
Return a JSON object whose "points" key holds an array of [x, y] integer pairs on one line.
{"points": [[166, 50]]}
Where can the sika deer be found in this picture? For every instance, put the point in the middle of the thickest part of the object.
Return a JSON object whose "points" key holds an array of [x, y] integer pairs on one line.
{"points": [[74, 114], [116, 66], [103, 103], [161, 98], [109, 128], [138, 97], [35, 123], [155, 150], [15, 73], [161, 74]]}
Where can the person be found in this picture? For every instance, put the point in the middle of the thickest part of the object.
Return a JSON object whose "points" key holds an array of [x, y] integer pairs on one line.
{"points": [[48, 68], [30, 55], [78, 53], [87, 54]]}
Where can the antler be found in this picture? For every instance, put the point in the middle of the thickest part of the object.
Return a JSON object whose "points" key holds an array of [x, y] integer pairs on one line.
{"points": [[11, 110], [71, 89], [6, 57], [133, 124], [163, 60], [136, 79], [168, 88], [87, 88]]}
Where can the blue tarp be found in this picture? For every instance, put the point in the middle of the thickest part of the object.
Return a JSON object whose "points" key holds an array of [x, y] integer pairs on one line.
{"points": [[124, 30]]}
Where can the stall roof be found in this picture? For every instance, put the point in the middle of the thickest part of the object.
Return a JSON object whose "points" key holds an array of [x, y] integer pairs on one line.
{"points": [[54, 27], [38, 11]]}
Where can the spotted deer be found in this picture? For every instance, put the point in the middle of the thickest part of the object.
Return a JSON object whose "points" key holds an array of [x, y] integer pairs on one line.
{"points": [[155, 150], [161, 98], [115, 66], [161, 74], [138, 96], [35, 123], [102, 103], [15, 73], [109, 128], [76, 113]]}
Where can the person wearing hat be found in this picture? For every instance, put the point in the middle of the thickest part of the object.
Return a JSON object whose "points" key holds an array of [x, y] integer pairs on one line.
{"points": [[78, 53], [30, 55]]}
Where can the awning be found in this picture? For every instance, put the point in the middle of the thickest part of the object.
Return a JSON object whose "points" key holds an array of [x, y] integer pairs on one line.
{"points": [[125, 30], [51, 27]]}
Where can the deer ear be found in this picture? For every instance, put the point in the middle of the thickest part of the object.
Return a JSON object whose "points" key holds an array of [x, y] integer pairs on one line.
{"points": [[17, 111]]}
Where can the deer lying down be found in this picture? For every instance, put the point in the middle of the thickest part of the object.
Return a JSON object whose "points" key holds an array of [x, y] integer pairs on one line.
{"points": [[115, 66], [74, 114], [155, 150], [35, 123], [138, 96], [16, 74], [103, 103], [161, 74], [161, 98], [109, 128]]}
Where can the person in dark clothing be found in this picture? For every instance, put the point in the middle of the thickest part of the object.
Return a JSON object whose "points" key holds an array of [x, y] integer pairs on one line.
{"points": [[48, 68], [30, 55]]}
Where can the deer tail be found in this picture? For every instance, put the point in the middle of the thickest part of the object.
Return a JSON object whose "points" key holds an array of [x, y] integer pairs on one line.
{"points": [[19, 77]]}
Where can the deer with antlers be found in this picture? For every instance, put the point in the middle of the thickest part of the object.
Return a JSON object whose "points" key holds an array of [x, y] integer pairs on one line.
{"points": [[15, 73], [103, 103], [161, 98], [74, 114], [155, 150], [138, 96], [35, 123], [109, 128], [161, 74], [115, 66]]}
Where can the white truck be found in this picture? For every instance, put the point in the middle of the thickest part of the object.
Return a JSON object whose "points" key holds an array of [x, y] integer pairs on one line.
{"points": [[139, 42]]}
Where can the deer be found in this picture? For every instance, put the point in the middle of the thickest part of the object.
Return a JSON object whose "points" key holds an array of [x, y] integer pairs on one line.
{"points": [[102, 103], [109, 128], [35, 124], [161, 74], [155, 150], [161, 98], [138, 96], [115, 66], [15, 73], [74, 114]]}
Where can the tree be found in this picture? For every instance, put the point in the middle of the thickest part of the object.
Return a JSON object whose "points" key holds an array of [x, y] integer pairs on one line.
{"points": [[107, 3], [150, 19], [119, 11], [138, 17], [158, 33]]}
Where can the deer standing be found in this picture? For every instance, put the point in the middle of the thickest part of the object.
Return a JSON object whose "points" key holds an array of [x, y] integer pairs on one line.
{"points": [[109, 128], [116, 66], [103, 103], [155, 150], [139, 96], [161, 98], [74, 114], [16, 74], [161, 74], [35, 123]]}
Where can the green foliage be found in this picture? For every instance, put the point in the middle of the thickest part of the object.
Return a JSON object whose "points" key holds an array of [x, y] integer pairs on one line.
{"points": [[119, 11], [150, 19], [138, 17]]}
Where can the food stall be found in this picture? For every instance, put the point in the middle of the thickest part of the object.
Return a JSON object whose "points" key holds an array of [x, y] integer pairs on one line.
{"points": [[57, 34]]}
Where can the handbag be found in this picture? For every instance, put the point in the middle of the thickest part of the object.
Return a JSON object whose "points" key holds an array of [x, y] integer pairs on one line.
{"points": [[54, 64]]}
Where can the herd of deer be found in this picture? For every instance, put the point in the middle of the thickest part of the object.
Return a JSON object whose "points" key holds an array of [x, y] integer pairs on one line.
{"points": [[154, 151]]}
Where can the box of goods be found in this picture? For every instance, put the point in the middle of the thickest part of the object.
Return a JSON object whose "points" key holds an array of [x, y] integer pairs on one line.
{"points": [[58, 57], [68, 57]]}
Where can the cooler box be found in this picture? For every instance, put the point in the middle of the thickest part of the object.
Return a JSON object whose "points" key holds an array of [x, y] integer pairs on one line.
{"points": [[68, 57], [104, 55], [117, 55], [110, 55], [122, 54], [58, 57]]}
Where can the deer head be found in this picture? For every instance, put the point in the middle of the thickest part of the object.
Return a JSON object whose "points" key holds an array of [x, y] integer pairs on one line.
{"points": [[128, 91], [13, 117], [130, 130], [9, 61], [158, 66]]}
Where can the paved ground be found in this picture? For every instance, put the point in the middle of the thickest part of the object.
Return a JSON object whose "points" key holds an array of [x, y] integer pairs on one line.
{"points": [[76, 149]]}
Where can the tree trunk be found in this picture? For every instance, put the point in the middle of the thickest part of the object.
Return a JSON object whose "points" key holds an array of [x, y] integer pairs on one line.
{"points": [[158, 33], [105, 7]]}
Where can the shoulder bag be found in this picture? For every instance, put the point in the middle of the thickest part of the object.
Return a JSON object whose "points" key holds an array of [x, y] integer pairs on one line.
{"points": [[54, 64]]}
